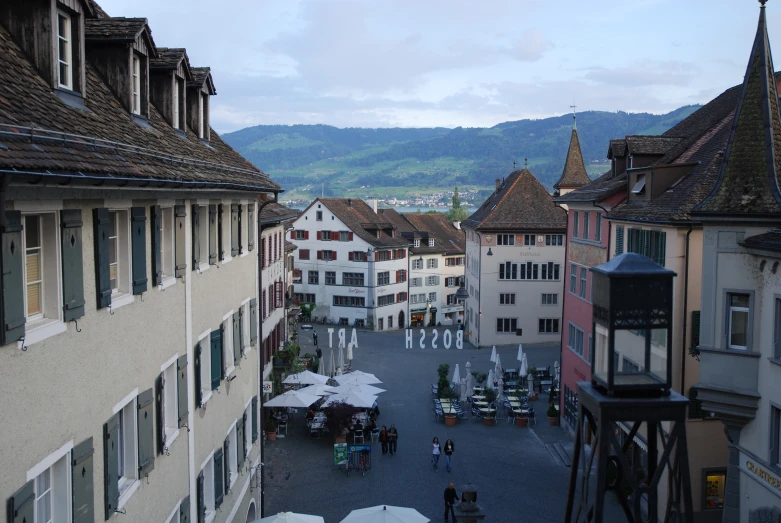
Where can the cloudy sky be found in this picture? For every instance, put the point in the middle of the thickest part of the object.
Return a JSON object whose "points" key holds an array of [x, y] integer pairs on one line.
{"points": [[421, 63]]}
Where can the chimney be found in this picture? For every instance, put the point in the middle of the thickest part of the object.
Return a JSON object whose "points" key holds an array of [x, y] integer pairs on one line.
{"points": [[374, 205], [350, 202], [498, 183]]}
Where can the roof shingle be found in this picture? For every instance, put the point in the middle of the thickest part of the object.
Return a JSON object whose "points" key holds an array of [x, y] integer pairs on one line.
{"points": [[363, 221]]}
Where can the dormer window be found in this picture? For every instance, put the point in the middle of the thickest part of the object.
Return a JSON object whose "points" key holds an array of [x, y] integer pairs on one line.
{"points": [[431, 242], [639, 187], [175, 118], [200, 116], [416, 243], [65, 50], [136, 85]]}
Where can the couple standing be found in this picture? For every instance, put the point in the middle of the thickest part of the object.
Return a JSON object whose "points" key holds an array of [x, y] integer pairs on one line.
{"points": [[436, 451]]}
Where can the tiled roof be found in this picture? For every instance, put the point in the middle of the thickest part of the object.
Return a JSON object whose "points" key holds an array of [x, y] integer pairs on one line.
{"points": [[356, 214], [596, 190], [168, 58], [617, 148], [122, 29], [103, 142], [770, 241], [749, 178], [520, 203], [394, 217], [277, 213], [650, 145], [447, 238], [96, 9], [574, 173]]}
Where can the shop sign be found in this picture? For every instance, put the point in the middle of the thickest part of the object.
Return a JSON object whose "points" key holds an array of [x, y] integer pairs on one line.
{"points": [[268, 387], [447, 339], [760, 473], [340, 453]]}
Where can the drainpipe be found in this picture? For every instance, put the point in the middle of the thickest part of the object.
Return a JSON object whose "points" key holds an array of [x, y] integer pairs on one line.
{"points": [[4, 181], [479, 296], [685, 312]]}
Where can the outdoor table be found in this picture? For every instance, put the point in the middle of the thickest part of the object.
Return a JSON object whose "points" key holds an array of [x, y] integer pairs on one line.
{"points": [[450, 409], [487, 410], [521, 411], [479, 403], [478, 397], [478, 389]]}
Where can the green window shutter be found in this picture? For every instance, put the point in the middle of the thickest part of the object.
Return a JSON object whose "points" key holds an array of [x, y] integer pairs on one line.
{"points": [[253, 321], [234, 229], [160, 408], [695, 405], [184, 510], [251, 226], [236, 338], [241, 330], [146, 433], [220, 238], [254, 419], [661, 245], [197, 373], [647, 244], [181, 383], [201, 500], [241, 444], [219, 476], [102, 283], [630, 240], [157, 244], [138, 228], [226, 470], [12, 281], [196, 220], [21, 504], [216, 358], [83, 489], [619, 239], [72, 264], [180, 215], [111, 465], [212, 234], [241, 244], [695, 329]]}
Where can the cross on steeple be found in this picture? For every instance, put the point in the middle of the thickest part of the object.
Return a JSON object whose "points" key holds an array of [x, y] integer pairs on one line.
{"points": [[525, 163], [513, 165], [574, 116]]}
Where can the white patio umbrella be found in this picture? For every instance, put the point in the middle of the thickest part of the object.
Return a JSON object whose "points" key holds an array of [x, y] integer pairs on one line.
{"points": [[499, 387], [321, 368], [490, 380], [358, 379], [456, 376], [317, 390], [290, 517], [332, 366], [524, 367], [385, 514], [362, 401], [463, 389], [493, 353], [305, 378], [349, 352], [292, 399], [498, 370], [358, 389], [470, 384], [520, 352], [340, 361], [556, 370]]}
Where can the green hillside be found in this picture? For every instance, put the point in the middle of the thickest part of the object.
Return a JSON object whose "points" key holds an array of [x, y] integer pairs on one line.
{"points": [[309, 159]]}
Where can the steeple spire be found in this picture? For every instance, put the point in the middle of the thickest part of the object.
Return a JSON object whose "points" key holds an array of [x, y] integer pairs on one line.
{"points": [[574, 174], [574, 116], [750, 172]]}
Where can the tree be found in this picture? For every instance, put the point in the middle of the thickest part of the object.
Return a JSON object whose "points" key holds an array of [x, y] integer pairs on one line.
{"points": [[456, 212]]}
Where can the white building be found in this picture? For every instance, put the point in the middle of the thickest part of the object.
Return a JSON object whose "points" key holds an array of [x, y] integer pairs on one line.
{"points": [[515, 244], [352, 263]]}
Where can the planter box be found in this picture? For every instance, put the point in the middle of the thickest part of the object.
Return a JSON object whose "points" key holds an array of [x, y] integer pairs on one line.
{"points": [[271, 436], [340, 439], [450, 420], [522, 421], [490, 421], [553, 422]]}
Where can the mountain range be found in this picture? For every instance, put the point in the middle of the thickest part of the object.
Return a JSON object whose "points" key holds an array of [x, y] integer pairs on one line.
{"points": [[310, 160]]}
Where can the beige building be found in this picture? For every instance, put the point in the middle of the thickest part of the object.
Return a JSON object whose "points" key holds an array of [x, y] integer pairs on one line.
{"points": [[515, 245], [129, 235]]}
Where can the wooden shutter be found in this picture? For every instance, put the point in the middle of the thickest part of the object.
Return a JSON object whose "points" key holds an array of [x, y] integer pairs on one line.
{"points": [[182, 408], [306, 235], [242, 334], [351, 256], [630, 240], [253, 321], [180, 215], [212, 234], [160, 408], [12, 279], [82, 487], [72, 265], [184, 510], [349, 236], [111, 465], [226, 470], [319, 235], [619, 239], [238, 235], [138, 247], [216, 358], [102, 282], [146, 432], [695, 337], [220, 239], [319, 255], [236, 338], [241, 441], [200, 499], [335, 236], [695, 405], [254, 419], [21, 504], [157, 244], [219, 476], [661, 246], [234, 229], [333, 255], [197, 373], [196, 239], [251, 226]]}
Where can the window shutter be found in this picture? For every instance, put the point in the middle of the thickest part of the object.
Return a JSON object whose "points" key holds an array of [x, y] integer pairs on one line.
{"points": [[319, 255], [306, 235], [212, 234], [251, 226], [201, 500], [196, 240], [226, 446], [102, 283], [396, 280], [319, 235], [111, 465], [182, 408], [234, 229], [82, 487], [695, 405], [335, 236], [219, 475], [157, 244], [146, 433], [695, 329], [263, 253], [254, 419], [138, 246], [619, 239], [349, 236], [333, 255], [197, 372], [236, 338], [253, 321], [184, 510], [73, 265], [351, 256], [239, 229], [241, 442], [160, 418], [661, 245], [21, 504], [242, 334], [216, 355], [180, 214], [647, 244], [630, 240], [220, 239], [12, 279]]}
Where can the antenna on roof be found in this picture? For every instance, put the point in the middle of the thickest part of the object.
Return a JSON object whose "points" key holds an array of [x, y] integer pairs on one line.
{"points": [[525, 163], [574, 116], [513, 165]]}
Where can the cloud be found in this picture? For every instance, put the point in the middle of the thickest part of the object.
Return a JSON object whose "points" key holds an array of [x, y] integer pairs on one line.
{"points": [[644, 73], [531, 46]]}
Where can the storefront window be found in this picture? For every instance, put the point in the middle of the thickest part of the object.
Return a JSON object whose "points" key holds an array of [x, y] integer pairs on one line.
{"points": [[715, 481]]}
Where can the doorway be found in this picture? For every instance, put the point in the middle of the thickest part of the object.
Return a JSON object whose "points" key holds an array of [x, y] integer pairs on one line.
{"points": [[401, 320]]}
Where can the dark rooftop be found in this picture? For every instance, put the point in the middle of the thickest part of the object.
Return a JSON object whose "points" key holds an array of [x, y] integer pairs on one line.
{"points": [[650, 145], [574, 174], [118, 28], [357, 215]]}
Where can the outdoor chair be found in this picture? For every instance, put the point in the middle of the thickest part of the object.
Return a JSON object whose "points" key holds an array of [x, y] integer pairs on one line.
{"points": [[282, 425], [358, 435]]}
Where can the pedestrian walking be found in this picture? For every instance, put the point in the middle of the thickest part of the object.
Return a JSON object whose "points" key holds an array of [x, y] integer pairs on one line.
{"points": [[314, 340], [435, 452], [393, 436], [319, 353], [451, 497], [384, 440], [449, 448]]}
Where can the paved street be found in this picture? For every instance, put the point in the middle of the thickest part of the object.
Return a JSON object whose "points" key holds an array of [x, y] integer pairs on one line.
{"points": [[519, 479]]}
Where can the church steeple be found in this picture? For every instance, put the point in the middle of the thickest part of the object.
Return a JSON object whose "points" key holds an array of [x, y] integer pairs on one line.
{"points": [[750, 172], [574, 174]]}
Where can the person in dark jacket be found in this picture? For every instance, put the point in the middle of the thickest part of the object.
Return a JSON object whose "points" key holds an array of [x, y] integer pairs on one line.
{"points": [[314, 340], [384, 439], [451, 497], [393, 436], [319, 352], [448, 448]]}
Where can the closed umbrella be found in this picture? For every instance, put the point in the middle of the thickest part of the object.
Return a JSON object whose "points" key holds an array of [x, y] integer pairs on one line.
{"points": [[340, 361], [358, 388], [321, 368], [520, 352], [349, 352], [332, 366], [305, 378], [470, 384], [456, 375], [463, 389], [292, 399], [385, 514], [556, 370], [524, 367], [362, 401], [498, 370], [493, 354], [499, 387], [291, 517], [490, 380]]}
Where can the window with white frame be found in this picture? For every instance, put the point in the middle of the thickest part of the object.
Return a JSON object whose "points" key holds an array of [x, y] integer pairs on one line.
{"points": [[508, 325], [203, 234], [119, 251], [416, 282], [738, 320], [554, 239], [451, 281], [233, 458], [550, 299], [508, 271], [432, 263], [65, 50], [575, 339], [417, 264], [383, 278], [170, 402], [136, 84], [432, 280], [416, 242], [208, 487], [775, 433], [586, 223], [583, 277], [573, 278], [53, 492], [505, 239], [248, 429], [548, 326], [245, 324], [431, 242], [127, 449], [319, 216], [598, 227], [432, 297], [42, 267], [507, 298], [529, 239]]}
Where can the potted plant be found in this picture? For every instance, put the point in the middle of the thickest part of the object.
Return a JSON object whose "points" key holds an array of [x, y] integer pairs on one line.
{"points": [[522, 421], [338, 420], [553, 415], [271, 429]]}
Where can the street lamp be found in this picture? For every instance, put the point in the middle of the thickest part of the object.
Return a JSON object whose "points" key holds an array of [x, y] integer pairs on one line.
{"points": [[461, 293]]}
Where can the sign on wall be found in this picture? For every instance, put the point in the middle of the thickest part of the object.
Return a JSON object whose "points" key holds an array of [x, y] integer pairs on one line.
{"points": [[268, 387], [340, 453]]}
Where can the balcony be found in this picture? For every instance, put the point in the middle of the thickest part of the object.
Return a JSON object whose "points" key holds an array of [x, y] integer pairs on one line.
{"points": [[728, 385]]}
